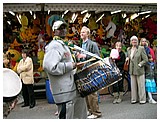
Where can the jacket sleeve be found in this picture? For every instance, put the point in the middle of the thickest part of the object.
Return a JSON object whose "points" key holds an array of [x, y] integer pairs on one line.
{"points": [[93, 49], [26, 67], [18, 67], [53, 65], [144, 57]]}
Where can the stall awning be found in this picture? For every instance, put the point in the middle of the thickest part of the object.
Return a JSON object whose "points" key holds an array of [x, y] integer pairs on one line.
{"points": [[127, 7]]}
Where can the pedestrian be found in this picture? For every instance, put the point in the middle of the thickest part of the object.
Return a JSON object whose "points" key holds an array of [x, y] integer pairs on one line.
{"points": [[118, 87], [143, 42], [137, 58], [90, 46], [60, 68], [25, 69], [150, 83], [151, 51]]}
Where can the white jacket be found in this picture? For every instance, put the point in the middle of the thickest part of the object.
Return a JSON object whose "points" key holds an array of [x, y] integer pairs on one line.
{"points": [[25, 69]]}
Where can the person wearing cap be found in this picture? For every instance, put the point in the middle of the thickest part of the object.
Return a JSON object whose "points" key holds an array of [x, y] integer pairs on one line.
{"points": [[25, 69], [60, 68], [137, 57]]}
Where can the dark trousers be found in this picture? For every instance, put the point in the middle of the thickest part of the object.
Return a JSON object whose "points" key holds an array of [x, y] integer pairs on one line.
{"points": [[62, 113], [28, 94], [118, 87]]}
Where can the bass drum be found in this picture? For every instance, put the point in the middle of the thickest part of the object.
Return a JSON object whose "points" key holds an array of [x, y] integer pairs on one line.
{"points": [[97, 76], [12, 84]]}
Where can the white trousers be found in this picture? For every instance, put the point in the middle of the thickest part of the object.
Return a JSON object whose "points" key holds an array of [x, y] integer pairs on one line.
{"points": [[138, 92]]}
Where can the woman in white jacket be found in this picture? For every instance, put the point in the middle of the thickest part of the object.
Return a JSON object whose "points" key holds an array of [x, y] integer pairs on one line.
{"points": [[25, 69]]}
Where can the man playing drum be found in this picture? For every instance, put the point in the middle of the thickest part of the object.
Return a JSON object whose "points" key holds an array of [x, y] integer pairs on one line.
{"points": [[59, 66]]}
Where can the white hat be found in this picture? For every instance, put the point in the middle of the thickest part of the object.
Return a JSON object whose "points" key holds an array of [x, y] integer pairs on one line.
{"points": [[12, 84], [57, 24], [133, 37]]}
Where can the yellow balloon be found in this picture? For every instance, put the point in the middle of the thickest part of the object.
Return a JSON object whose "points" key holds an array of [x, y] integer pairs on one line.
{"points": [[16, 54]]}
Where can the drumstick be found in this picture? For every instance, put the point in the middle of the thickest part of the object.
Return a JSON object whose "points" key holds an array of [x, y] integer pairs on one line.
{"points": [[92, 59]]}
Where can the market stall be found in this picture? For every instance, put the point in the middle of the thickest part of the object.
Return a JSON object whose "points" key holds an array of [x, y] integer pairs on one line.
{"points": [[26, 25]]}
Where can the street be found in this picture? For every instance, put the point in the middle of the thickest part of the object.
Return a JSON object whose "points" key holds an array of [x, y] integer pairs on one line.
{"points": [[124, 110]]}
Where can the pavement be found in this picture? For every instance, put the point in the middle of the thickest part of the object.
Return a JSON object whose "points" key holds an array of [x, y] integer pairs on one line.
{"points": [[124, 110]]}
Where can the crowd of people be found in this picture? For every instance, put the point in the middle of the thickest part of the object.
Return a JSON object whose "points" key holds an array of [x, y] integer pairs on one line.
{"points": [[63, 65], [60, 66]]}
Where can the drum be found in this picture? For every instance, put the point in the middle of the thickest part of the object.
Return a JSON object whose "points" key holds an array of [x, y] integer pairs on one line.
{"points": [[97, 76], [11, 83]]}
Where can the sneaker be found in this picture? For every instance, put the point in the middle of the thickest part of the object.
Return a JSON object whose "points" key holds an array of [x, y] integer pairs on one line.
{"points": [[142, 102], [152, 101], [119, 100], [92, 117], [56, 114], [133, 102], [88, 113], [115, 101]]}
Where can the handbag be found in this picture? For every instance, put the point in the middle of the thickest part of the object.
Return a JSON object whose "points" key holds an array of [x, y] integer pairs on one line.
{"points": [[126, 66]]}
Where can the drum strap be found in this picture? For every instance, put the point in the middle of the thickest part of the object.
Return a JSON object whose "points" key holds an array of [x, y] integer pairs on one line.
{"points": [[65, 43], [72, 46], [86, 52]]}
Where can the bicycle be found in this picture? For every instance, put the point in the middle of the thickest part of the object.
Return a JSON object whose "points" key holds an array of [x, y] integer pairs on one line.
{"points": [[126, 84]]}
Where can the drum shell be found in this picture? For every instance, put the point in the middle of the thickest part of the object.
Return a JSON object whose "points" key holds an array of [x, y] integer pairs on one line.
{"points": [[97, 76]]}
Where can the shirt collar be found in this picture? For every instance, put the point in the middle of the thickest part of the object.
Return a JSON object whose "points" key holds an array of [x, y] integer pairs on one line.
{"points": [[85, 41]]}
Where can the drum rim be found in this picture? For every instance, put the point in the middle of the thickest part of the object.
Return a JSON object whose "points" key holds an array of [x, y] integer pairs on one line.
{"points": [[95, 63], [20, 84]]}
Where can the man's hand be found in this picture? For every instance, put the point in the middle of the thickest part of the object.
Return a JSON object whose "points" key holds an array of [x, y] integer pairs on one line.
{"points": [[79, 55]]}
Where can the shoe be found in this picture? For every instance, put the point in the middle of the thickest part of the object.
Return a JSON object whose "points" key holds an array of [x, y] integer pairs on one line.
{"points": [[98, 114], [133, 102], [120, 97], [32, 106], [92, 117], [152, 101], [115, 94], [88, 113], [142, 102], [56, 113], [115, 101], [119, 100], [24, 105]]}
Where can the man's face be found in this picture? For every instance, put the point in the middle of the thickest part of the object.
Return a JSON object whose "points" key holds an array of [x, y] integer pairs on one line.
{"points": [[84, 34], [61, 32]]}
